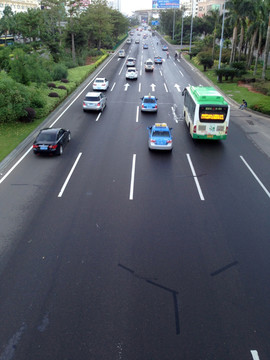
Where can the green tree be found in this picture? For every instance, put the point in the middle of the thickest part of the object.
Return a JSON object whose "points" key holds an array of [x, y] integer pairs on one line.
{"points": [[29, 23]]}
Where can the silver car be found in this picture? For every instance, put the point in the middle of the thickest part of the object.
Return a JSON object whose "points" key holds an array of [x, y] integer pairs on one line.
{"points": [[94, 101]]}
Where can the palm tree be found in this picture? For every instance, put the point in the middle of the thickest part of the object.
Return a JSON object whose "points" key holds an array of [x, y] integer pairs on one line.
{"points": [[267, 44], [215, 16]]}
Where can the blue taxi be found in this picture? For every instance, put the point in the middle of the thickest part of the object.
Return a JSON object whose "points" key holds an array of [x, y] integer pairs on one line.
{"points": [[149, 103], [160, 137]]}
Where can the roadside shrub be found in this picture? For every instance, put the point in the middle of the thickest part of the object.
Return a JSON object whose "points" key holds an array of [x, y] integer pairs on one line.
{"points": [[14, 98], [51, 85], [240, 66], [53, 94], [205, 59], [227, 72], [59, 72], [62, 87], [29, 117], [64, 81]]}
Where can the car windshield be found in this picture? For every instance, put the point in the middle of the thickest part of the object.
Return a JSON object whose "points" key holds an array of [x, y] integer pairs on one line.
{"points": [[158, 133], [131, 70], [149, 63], [46, 137], [149, 101], [91, 98]]}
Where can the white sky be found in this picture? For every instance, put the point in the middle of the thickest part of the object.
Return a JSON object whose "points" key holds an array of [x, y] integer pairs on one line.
{"points": [[127, 6]]}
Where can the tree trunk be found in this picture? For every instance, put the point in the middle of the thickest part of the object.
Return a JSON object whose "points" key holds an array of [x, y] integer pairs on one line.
{"points": [[258, 51], [251, 50], [73, 47], [233, 44], [266, 49], [241, 42]]}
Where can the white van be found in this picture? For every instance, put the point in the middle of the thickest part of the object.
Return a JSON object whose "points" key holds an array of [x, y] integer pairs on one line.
{"points": [[121, 53]]}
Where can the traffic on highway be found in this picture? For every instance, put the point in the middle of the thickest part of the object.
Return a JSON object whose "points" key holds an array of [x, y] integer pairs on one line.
{"points": [[117, 249]]}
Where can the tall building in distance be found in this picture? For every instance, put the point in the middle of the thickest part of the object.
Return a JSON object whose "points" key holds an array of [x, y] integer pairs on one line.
{"points": [[115, 4], [201, 7]]}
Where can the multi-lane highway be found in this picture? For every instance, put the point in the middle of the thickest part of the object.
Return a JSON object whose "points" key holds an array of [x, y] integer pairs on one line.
{"points": [[115, 252]]}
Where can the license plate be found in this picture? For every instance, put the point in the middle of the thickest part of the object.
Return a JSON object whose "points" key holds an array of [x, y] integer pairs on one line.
{"points": [[210, 136], [43, 147]]}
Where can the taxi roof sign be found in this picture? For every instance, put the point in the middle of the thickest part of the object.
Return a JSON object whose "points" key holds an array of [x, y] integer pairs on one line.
{"points": [[161, 125]]}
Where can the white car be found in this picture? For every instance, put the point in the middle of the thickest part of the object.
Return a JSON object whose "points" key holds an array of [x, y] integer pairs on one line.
{"points": [[128, 41], [100, 84], [131, 62], [149, 65], [131, 73]]}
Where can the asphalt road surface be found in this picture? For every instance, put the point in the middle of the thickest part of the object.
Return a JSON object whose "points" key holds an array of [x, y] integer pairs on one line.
{"points": [[115, 252]]}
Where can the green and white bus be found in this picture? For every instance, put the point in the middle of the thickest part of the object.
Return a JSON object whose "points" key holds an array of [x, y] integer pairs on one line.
{"points": [[206, 113]]}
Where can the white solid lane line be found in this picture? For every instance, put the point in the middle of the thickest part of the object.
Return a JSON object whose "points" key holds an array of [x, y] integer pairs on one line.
{"points": [[15, 165], [195, 178], [56, 120], [255, 176], [113, 87], [137, 114], [69, 175], [99, 114], [131, 192], [254, 354]]}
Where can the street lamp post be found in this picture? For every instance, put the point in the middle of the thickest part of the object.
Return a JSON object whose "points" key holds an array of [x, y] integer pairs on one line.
{"points": [[191, 26], [221, 39], [173, 22]]}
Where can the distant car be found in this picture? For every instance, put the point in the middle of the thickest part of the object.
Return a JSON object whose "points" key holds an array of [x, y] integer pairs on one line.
{"points": [[100, 84], [149, 103], [129, 41], [165, 48], [94, 101], [131, 62], [145, 46], [149, 65], [131, 73], [122, 53], [158, 60], [160, 137], [51, 141], [137, 41]]}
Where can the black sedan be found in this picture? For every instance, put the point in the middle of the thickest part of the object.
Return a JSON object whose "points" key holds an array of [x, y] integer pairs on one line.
{"points": [[51, 141]]}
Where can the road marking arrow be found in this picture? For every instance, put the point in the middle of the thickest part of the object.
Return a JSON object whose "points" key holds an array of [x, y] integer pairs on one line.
{"points": [[177, 87], [153, 86], [126, 86]]}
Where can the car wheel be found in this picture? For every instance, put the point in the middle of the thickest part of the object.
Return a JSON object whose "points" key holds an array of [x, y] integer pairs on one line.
{"points": [[60, 151]]}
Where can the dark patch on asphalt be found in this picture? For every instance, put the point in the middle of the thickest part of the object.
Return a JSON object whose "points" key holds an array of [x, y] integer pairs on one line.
{"points": [[173, 292], [224, 268]]}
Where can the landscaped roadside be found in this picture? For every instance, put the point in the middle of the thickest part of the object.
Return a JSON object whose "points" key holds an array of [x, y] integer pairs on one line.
{"points": [[242, 88], [12, 134]]}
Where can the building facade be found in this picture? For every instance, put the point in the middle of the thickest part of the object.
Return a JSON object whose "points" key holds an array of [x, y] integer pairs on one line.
{"points": [[207, 5], [18, 5]]}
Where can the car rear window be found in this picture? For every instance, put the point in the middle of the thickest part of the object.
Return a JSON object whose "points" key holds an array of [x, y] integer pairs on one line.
{"points": [[46, 137], [99, 81], [149, 63], [149, 101], [158, 133], [91, 98]]}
